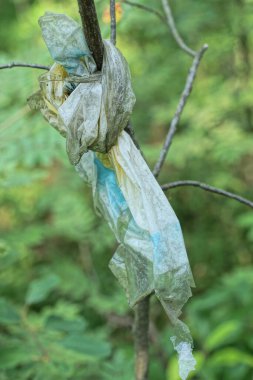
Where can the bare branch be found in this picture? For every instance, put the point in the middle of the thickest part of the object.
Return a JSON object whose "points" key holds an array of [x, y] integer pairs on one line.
{"points": [[126, 321], [174, 122], [22, 64], [209, 188], [113, 21], [141, 335], [167, 19], [146, 8], [172, 26], [91, 30]]}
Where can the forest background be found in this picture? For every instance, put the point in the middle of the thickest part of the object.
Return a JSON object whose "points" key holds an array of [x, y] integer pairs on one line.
{"points": [[62, 313]]}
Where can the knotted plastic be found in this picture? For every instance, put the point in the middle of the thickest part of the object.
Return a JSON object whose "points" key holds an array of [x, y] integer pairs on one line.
{"points": [[91, 110]]}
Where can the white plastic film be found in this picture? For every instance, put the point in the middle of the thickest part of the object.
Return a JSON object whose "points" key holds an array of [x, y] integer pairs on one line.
{"points": [[91, 110]]}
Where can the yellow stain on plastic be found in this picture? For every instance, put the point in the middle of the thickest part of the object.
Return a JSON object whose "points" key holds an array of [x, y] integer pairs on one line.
{"points": [[52, 86], [50, 106], [103, 157], [113, 158]]}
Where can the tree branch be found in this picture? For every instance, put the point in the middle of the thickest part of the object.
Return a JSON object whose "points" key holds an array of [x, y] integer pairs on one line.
{"points": [[209, 188], [141, 335], [91, 30], [22, 64], [172, 26], [146, 8], [174, 122], [113, 22], [167, 19]]}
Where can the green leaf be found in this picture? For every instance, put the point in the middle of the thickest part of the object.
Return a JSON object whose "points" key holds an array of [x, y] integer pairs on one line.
{"points": [[3, 248], [8, 314], [173, 370], [14, 356], [224, 333], [40, 289], [87, 346], [231, 357], [57, 323]]}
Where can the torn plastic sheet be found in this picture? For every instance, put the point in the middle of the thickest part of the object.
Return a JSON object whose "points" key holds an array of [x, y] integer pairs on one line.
{"points": [[66, 44], [91, 111]]}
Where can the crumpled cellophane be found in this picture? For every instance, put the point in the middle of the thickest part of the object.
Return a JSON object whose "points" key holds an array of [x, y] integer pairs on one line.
{"points": [[91, 110]]}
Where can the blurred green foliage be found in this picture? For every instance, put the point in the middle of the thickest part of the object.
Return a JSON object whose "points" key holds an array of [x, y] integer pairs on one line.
{"points": [[62, 314]]}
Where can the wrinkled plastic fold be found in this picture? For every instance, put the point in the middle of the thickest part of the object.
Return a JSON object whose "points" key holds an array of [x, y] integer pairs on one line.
{"points": [[91, 110]]}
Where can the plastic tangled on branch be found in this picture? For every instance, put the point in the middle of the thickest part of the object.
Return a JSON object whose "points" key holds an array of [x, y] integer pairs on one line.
{"points": [[91, 110]]}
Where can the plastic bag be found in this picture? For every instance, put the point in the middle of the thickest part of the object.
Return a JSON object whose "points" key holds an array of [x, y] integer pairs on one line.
{"points": [[151, 256]]}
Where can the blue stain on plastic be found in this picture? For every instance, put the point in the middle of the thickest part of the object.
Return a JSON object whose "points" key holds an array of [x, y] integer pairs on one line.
{"points": [[107, 182], [156, 238]]}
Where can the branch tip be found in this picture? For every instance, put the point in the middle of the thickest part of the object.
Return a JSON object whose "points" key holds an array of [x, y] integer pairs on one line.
{"points": [[172, 26], [206, 187]]}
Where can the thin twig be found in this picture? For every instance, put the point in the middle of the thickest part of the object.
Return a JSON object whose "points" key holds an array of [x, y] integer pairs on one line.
{"points": [[172, 26], [174, 122], [146, 8], [113, 22], [129, 128], [22, 64], [167, 19], [209, 188]]}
